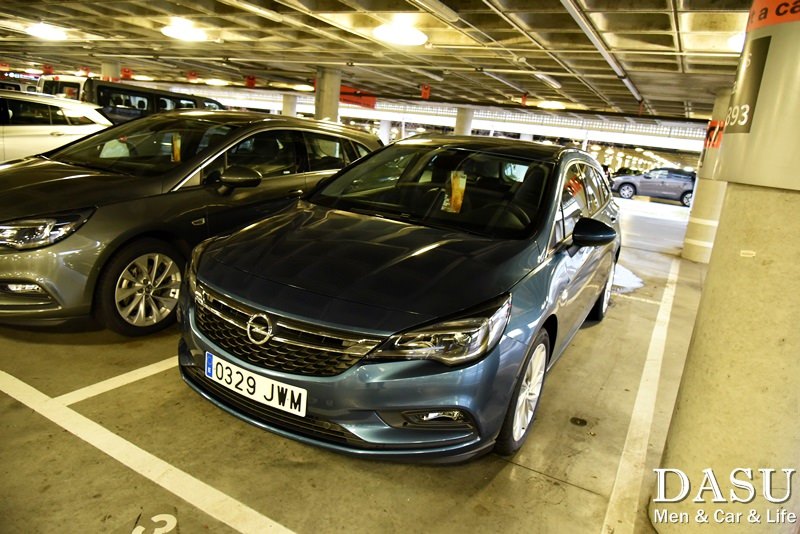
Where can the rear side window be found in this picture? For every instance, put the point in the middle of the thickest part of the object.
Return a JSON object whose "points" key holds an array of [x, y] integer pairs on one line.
{"points": [[574, 203], [325, 152], [21, 113]]}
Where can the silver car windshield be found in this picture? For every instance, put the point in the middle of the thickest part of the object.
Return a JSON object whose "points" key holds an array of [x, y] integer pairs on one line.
{"points": [[146, 147], [477, 192]]}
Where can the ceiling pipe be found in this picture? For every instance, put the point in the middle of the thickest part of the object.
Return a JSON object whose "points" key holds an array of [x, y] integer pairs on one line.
{"points": [[507, 82], [426, 73], [274, 16], [438, 8], [598, 43]]}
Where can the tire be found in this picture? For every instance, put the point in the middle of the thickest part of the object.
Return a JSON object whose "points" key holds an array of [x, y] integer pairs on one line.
{"points": [[137, 292], [627, 190], [598, 311], [525, 399], [686, 198]]}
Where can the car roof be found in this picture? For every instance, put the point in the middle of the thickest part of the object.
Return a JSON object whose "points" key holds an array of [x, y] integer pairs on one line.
{"points": [[497, 145], [45, 99], [255, 117]]}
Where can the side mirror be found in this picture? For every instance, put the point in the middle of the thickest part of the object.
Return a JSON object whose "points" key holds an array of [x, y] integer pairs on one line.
{"points": [[592, 233], [239, 176]]}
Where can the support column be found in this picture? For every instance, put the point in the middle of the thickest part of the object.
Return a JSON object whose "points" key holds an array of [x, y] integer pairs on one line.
{"points": [[385, 132], [526, 137], [289, 105], [739, 399], [464, 121], [110, 71], [326, 97], [708, 193]]}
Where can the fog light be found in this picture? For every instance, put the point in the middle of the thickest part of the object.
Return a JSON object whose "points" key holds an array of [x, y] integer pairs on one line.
{"points": [[22, 289], [443, 416]]}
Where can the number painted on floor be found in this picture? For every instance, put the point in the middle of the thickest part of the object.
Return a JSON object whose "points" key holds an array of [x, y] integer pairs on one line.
{"points": [[168, 524]]}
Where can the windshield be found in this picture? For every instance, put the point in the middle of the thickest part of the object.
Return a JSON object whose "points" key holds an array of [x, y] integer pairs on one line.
{"points": [[145, 147], [478, 192]]}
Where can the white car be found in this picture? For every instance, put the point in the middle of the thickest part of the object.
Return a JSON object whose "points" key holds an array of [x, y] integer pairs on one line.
{"points": [[35, 123]]}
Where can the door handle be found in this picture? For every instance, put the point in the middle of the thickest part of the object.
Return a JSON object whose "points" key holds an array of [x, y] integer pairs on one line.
{"points": [[295, 193], [57, 134]]}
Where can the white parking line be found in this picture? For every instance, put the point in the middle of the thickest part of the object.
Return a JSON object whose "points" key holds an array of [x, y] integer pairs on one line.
{"points": [[196, 492], [637, 299], [623, 504], [116, 382]]}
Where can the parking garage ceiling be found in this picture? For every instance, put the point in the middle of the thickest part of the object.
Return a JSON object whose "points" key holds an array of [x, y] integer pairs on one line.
{"points": [[640, 57]]}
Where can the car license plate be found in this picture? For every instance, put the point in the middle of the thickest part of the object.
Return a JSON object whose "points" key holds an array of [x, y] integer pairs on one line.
{"points": [[259, 388]]}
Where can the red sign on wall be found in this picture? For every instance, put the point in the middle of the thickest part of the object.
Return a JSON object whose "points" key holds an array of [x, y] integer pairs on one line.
{"points": [[351, 95], [250, 81], [425, 91], [714, 134], [126, 73]]}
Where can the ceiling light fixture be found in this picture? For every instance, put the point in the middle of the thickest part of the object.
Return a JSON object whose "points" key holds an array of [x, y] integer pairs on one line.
{"points": [[736, 42], [46, 32], [438, 9], [274, 16], [551, 104], [303, 87], [217, 82], [507, 82], [399, 34], [426, 73], [34, 71], [549, 80], [183, 30], [142, 78]]}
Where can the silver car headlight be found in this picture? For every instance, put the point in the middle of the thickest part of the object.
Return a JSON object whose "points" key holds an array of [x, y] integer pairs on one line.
{"points": [[37, 232], [452, 342]]}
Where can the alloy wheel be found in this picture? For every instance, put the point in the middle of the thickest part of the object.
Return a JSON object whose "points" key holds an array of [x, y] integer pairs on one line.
{"points": [[626, 191], [530, 391], [147, 290]]}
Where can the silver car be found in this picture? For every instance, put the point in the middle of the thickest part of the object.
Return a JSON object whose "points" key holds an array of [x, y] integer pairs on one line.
{"points": [[671, 184], [35, 123]]}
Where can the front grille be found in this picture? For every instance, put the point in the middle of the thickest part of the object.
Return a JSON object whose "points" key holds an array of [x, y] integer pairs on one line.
{"points": [[294, 347], [309, 425]]}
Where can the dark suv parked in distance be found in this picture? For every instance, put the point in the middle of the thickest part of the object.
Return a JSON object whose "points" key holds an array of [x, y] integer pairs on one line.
{"points": [[105, 224], [670, 184]]}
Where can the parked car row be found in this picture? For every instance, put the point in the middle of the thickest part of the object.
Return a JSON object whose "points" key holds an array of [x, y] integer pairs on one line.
{"points": [[403, 302]]}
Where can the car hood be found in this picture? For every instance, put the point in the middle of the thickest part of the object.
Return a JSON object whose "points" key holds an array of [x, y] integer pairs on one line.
{"points": [[36, 186], [360, 271]]}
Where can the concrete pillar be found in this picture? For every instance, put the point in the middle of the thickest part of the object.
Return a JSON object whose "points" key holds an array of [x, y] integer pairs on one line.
{"points": [[708, 193], [385, 131], [526, 137], [289, 105], [464, 121], [110, 70], [737, 407], [326, 97]]}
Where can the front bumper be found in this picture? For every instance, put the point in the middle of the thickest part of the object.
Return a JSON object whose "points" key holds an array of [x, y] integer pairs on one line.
{"points": [[63, 271], [361, 410]]}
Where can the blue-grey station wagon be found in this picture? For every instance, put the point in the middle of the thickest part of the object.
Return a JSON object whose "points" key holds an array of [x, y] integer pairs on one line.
{"points": [[410, 307]]}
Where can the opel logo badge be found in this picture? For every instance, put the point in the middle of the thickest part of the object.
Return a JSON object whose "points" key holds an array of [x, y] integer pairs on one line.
{"points": [[259, 329]]}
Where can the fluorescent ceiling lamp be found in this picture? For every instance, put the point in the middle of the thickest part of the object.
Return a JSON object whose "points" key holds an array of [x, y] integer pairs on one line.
{"points": [[438, 9], [399, 34], [217, 82], [34, 71], [551, 104], [142, 78], [549, 80], [303, 87], [426, 73], [183, 30], [252, 8], [503, 80], [736, 42], [46, 32]]}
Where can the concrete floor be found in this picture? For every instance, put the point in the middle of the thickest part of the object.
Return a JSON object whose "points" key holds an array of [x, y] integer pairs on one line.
{"points": [[99, 433]]}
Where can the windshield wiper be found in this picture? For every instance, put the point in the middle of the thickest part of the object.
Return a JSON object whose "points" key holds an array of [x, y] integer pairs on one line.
{"points": [[93, 167]]}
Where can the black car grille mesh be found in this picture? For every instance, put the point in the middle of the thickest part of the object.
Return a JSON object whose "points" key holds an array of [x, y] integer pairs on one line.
{"points": [[294, 347]]}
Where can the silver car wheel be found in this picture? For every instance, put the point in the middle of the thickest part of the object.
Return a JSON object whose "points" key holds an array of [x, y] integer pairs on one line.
{"points": [[530, 391], [147, 289], [626, 191], [686, 199]]}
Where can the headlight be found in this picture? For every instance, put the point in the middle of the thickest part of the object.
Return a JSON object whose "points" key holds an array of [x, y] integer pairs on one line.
{"points": [[452, 342], [42, 231]]}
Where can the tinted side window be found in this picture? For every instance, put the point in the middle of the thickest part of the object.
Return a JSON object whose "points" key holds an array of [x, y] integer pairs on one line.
{"points": [[325, 152], [574, 203], [361, 150], [21, 112], [596, 185], [272, 153]]}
